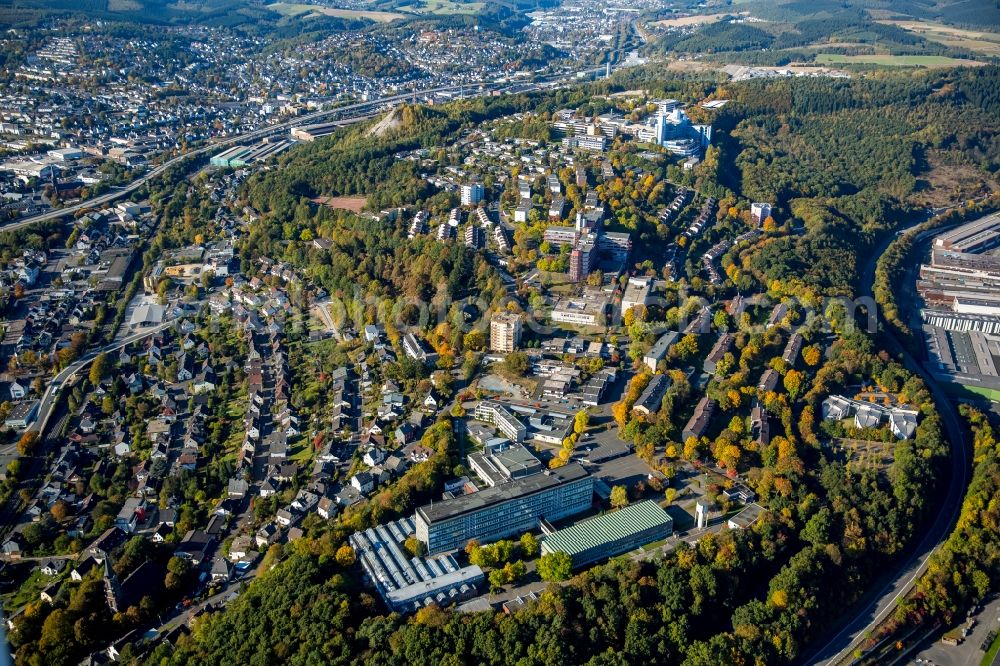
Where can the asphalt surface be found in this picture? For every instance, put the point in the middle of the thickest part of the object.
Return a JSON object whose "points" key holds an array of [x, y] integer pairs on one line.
{"points": [[881, 600]]}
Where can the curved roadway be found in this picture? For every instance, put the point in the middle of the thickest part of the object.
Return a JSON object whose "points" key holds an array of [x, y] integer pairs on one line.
{"points": [[49, 398], [878, 603]]}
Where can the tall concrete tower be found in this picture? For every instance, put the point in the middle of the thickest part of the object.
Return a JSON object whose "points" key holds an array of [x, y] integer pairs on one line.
{"points": [[700, 515]]}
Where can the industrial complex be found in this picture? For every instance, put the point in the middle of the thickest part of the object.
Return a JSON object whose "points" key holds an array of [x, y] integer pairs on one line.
{"points": [[961, 314]]}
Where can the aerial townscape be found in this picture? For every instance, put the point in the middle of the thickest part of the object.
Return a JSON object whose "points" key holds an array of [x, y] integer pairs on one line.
{"points": [[535, 332]]}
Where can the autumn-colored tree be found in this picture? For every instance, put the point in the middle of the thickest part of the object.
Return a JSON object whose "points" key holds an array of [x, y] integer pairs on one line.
{"points": [[99, 368], [812, 355], [692, 448], [474, 339], [619, 497], [431, 616], [60, 510], [27, 443], [793, 383], [345, 556]]}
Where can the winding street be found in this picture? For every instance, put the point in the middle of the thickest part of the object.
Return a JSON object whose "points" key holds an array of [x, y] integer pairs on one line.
{"points": [[49, 398], [881, 600]]}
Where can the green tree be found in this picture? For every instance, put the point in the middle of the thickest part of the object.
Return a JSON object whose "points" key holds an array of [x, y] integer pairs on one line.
{"points": [[555, 566], [529, 545], [516, 363]]}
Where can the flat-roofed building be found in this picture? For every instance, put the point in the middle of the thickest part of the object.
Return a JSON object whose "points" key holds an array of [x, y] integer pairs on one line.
{"points": [[560, 235], [760, 212], [581, 260], [582, 311], [611, 534], [501, 417], [505, 332], [472, 194], [500, 511], [637, 292], [964, 246], [408, 583], [504, 462], [982, 305], [616, 244]]}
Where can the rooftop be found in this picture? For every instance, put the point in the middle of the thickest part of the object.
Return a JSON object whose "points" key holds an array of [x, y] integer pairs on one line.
{"points": [[535, 483], [608, 527]]}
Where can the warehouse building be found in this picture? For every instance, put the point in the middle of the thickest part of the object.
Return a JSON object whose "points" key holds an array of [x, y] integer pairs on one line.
{"points": [[408, 583], [611, 534], [504, 510], [241, 156]]}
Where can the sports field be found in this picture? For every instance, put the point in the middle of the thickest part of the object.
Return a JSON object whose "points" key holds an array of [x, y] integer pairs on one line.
{"points": [[682, 21]]}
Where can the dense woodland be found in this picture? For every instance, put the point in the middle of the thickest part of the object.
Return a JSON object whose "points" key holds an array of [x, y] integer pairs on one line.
{"points": [[848, 159]]}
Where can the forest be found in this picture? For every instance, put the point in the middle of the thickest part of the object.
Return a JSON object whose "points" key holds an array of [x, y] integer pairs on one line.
{"points": [[848, 159]]}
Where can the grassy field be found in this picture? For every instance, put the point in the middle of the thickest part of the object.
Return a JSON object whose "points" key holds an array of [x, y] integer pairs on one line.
{"points": [[444, 7], [893, 60], [987, 43], [293, 9], [967, 392], [683, 21]]}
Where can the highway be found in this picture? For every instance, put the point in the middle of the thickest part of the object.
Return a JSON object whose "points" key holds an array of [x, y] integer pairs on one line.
{"points": [[365, 110], [881, 601]]}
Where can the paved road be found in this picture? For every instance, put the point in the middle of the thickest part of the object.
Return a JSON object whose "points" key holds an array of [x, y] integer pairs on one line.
{"points": [[49, 398], [279, 128], [879, 602]]}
